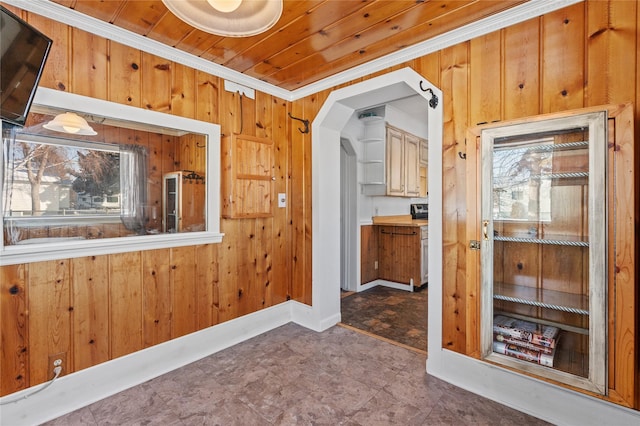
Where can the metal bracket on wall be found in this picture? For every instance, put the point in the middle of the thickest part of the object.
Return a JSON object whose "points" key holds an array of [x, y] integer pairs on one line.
{"points": [[305, 122], [433, 102], [461, 154]]}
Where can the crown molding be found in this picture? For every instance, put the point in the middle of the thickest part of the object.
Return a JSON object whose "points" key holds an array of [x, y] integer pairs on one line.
{"points": [[109, 31], [507, 18], [515, 15]]}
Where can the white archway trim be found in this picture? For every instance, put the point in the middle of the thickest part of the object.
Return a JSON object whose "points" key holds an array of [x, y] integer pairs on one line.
{"points": [[325, 153]]}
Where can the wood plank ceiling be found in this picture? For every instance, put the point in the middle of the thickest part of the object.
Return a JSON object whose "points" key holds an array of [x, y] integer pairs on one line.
{"points": [[313, 39]]}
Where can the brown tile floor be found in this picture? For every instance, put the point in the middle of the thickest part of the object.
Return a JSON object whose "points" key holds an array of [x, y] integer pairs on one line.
{"points": [[393, 314], [295, 376]]}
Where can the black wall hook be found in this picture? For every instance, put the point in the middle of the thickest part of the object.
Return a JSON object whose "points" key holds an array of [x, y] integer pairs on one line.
{"points": [[306, 124], [461, 154], [433, 102]]}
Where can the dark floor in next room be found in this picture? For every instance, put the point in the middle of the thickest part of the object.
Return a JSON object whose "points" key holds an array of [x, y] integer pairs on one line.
{"points": [[397, 315]]}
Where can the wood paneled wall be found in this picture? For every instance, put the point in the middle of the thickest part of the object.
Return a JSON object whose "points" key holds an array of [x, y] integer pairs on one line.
{"points": [[583, 55], [92, 309]]}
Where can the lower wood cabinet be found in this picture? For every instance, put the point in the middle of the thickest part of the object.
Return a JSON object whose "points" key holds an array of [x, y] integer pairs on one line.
{"points": [[399, 254]]}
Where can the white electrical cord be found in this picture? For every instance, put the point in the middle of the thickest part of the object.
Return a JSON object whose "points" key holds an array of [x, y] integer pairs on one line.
{"points": [[57, 370]]}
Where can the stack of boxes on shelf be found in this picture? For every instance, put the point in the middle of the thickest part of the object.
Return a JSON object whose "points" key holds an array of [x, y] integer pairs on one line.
{"points": [[525, 340]]}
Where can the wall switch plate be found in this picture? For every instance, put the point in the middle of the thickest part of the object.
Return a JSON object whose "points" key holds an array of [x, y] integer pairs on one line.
{"points": [[282, 199]]}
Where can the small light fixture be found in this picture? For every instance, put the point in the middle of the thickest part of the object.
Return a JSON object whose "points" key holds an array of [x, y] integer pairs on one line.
{"points": [[225, 6], [228, 18], [70, 122]]}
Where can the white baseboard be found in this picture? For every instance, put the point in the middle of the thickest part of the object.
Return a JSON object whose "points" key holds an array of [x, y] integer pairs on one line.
{"points": [[385, 283], [367, 286], [305, 316], [549, 402], [552, 403], [76, 390]]}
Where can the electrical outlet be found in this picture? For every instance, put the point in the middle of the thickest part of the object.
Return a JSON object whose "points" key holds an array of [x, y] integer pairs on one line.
{"points": [[375, 265], [57, 360]]}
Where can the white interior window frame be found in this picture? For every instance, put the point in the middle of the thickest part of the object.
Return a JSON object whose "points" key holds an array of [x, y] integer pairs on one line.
{"points": [[152, 120]]}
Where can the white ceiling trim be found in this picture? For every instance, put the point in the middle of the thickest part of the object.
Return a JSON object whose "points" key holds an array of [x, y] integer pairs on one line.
{"points": [[109, 31]]}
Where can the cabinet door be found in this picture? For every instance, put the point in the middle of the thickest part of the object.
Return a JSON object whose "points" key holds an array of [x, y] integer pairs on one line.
{"points": [[424, 262], [543, 250], [248, 180], [424, 181], [369, 253], [424, 167], [412, 165], [424, 152], [551, 207], [406, 261], [395, 162], [546, 245], [400, 254], [386, 252]]}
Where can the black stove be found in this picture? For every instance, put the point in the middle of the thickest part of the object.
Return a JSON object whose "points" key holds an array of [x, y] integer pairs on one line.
{"points": [[419, 211]]}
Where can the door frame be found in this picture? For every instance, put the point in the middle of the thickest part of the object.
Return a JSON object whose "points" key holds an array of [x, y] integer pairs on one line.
{"points": [[325, 185], [349, 239]]}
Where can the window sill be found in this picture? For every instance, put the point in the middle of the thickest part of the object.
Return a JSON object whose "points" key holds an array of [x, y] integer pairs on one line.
{"points": [[39, 221], [71, 248]]}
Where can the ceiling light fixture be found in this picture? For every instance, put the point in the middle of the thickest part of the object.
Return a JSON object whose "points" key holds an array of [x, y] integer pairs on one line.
{"points": [[225, 6], [70, 122], [228, 18]]}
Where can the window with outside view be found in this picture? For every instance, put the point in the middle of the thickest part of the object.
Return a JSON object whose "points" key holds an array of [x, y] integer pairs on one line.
{"points": [[61, 186]]}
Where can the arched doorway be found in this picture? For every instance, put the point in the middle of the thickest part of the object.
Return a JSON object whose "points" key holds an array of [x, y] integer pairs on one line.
{"points": [[327, 128]]}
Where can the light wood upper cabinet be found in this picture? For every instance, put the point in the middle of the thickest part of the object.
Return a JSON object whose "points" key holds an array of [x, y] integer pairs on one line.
{"points": [[412, 165], [424, 164], [248, 180], [424, 152], [403, 163], [424, 179], [395, 162]]}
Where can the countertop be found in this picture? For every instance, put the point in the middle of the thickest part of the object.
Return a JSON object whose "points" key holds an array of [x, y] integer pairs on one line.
{"points": [[402, 220]]}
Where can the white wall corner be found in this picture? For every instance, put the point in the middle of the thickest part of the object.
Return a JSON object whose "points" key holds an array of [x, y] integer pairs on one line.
{"points": [[307, 317]]}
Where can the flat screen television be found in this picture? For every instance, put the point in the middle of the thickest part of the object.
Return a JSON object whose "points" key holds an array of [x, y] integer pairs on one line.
{"points": [[23, 53]]}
